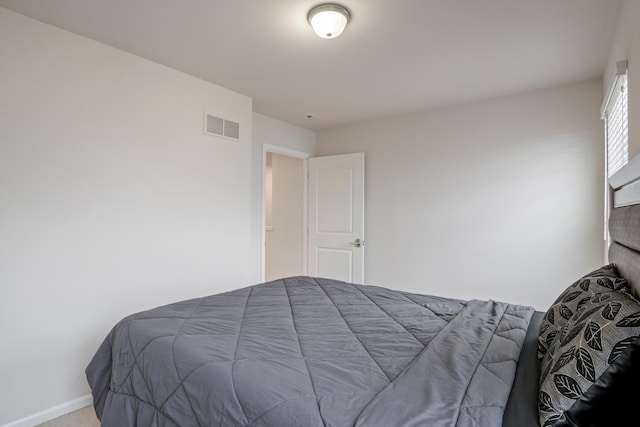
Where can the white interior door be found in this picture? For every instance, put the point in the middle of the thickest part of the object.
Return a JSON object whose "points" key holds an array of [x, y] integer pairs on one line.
{"points": [[336, 217]]}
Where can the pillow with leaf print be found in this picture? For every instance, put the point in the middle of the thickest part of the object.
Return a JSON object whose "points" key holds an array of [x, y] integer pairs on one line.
{"points": [[602, 280], [612, 400], [587, 347]]}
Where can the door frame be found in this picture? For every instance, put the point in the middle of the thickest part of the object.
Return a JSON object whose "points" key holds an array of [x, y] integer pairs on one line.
{"points": [[304, 156]]}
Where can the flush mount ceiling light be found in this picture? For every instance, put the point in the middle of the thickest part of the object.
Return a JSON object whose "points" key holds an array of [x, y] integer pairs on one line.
{"points": [[328, 20]]}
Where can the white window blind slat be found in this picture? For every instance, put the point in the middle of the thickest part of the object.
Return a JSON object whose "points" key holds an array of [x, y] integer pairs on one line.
{"points": [[617, 125]]}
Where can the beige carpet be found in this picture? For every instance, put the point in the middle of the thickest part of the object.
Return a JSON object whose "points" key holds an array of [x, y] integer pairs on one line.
{"points": [[84, 417]]}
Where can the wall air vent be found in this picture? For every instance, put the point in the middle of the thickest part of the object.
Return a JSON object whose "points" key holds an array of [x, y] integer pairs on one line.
{"points": [[221, 127]]}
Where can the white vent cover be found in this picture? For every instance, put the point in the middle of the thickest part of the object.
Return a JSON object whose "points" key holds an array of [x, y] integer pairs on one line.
{"points": [[221, 127]]}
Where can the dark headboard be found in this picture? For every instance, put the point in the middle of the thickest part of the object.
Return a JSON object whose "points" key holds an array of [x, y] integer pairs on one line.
{"points": [[624, 223]]}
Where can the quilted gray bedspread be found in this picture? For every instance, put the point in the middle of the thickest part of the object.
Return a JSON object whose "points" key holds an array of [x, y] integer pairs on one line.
{"points": [[310, 352]]}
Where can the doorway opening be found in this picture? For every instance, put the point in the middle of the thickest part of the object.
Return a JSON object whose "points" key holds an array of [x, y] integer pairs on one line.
{"points": [[285, 214]]}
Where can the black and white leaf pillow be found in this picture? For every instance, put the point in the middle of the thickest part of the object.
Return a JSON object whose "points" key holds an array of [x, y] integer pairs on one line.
{"points": [[570, 333], [565, 312], [575, 294], [582, 302], [550, 337], [618, 348], [610, 310], [631, 321], [567, 386], [584, 365], [544, 403], [599, 282], [594, 337], [551, 421]]}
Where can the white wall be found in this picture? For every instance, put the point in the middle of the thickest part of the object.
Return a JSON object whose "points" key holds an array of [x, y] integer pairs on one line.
{"points": [[499, 199], [284, 243], [276, 132], [112, 200], [626, 45]]}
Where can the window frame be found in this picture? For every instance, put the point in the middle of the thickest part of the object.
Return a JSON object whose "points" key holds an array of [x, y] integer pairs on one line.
{"points": [[617, 96]]}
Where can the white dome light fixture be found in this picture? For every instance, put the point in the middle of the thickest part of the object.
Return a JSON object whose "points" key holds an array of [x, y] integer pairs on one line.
{"points": [[328, 20]]}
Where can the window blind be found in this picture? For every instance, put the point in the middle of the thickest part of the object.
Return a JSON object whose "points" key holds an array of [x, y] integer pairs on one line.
{"points": [[615, 114], [617, 127]]}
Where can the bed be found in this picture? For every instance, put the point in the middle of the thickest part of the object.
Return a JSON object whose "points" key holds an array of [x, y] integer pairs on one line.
{"points": [[306, 351]]}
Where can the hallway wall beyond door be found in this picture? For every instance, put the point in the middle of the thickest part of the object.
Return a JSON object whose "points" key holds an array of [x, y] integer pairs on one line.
{"points": [[284, 235]]}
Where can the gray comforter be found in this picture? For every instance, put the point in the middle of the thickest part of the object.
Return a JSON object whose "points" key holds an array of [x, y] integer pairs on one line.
{"points": [[310, 352]]}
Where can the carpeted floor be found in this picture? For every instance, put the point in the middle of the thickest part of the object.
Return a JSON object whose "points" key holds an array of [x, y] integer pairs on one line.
{"points": [[84, 417]]}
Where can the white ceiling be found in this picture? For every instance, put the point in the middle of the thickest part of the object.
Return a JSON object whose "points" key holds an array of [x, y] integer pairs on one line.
{"points": [[395, 56]]}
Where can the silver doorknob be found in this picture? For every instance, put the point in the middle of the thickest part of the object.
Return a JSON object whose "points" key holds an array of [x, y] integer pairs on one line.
{"points": [[358, 243]]}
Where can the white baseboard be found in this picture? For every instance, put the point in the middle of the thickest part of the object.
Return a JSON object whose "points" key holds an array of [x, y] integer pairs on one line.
{"points": [[51, 413]]}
